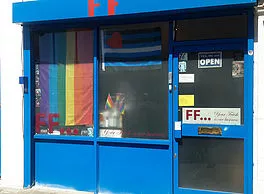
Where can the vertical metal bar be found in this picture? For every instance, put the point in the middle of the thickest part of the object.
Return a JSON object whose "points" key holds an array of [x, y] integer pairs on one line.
{"points": [[96, 105], [249, 80], [170, 102], [28, 143], [175, 118]]}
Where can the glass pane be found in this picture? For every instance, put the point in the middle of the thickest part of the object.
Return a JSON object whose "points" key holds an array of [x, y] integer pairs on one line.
{"points": [[212, 164], [133, 100], [64, 83], [212, 84], [211, 28]]}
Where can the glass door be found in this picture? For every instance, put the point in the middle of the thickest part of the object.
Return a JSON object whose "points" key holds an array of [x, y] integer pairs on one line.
{"points": [[209, 122]]}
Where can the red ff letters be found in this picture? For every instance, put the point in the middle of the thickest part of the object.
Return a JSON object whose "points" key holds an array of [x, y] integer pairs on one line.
{"points": [[194, 113], [111, 7], [51, 123]]}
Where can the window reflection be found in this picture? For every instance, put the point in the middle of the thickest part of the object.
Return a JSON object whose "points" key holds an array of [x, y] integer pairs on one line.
{"points": [[133, 82]]}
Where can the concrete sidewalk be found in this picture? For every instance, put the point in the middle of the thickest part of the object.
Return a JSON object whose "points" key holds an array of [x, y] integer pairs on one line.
{"points": [[40, 190]]}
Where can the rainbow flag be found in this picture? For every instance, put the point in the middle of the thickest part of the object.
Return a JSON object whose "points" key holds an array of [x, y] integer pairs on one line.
{"points": [[122, 107], [109, 103], [66, 76]]}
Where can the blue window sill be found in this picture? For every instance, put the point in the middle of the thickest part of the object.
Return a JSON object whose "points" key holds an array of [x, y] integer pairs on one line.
{"points": [[62, 137], [103, 139]]}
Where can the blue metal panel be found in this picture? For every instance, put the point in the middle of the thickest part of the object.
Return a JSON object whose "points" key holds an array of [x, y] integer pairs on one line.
{"points": [[170, 105], [134, 141], [28, 163], [95, 108], [63, 137], [249, 75], [216, 42], [135, 169], [177, 133], [45, 10], [49, 10], [212, 45], [68, 165], [139, 6]]}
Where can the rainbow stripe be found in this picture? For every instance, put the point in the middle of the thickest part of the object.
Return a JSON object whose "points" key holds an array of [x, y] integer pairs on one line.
{"points": [[66, 76]]}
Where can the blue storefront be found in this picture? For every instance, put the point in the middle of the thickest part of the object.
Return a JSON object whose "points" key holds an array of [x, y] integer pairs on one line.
{"points": [[138, 96]]}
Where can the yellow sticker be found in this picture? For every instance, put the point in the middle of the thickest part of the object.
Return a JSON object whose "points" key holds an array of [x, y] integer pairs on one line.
{"points": [[186, 100]]}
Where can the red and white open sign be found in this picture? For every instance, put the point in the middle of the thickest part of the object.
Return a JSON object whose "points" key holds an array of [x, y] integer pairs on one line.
{"points": [[224, 116]]}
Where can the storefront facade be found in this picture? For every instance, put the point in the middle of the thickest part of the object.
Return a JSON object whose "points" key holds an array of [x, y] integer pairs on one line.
{"points": [[138, 97]]}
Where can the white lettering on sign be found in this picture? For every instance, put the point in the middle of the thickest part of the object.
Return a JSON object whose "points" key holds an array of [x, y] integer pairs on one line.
{"points": [[209, 59], [115, 133], [224, 116]]}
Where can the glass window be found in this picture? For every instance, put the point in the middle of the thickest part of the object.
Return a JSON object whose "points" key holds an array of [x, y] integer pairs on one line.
{"points": [[211, 28], [64, 83], [212, 164], [133, 100], [212, 82]]}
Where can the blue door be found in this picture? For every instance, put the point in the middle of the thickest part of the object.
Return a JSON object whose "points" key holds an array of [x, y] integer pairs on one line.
{"points": [[212, 116]]}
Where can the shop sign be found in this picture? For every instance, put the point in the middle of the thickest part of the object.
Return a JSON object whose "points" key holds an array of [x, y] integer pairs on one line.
{"points": [[209, 59], [224, 116]]}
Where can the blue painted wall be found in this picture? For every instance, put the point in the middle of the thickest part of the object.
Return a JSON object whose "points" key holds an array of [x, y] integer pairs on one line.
{"points": [[143, 169]]}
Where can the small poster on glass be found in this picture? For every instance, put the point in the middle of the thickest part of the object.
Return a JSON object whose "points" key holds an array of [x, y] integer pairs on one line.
{"points": [[238, 69]]}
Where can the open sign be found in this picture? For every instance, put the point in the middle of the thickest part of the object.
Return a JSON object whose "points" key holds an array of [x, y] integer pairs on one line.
{"points": [[209, 59]]}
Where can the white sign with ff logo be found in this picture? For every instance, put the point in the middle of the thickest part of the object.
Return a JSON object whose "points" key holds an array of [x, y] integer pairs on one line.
{"points": [[222, 116]]}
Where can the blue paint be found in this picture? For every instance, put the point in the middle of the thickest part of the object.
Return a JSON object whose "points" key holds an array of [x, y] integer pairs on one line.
{"points": [[249, 74], [133, 141], [24, 80], [63, 137], [177, 133], [96, 107], [61, 164], [218, 42], [223, 44], [170, 106], [133, 169], [47, 10], [27, 111]]}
